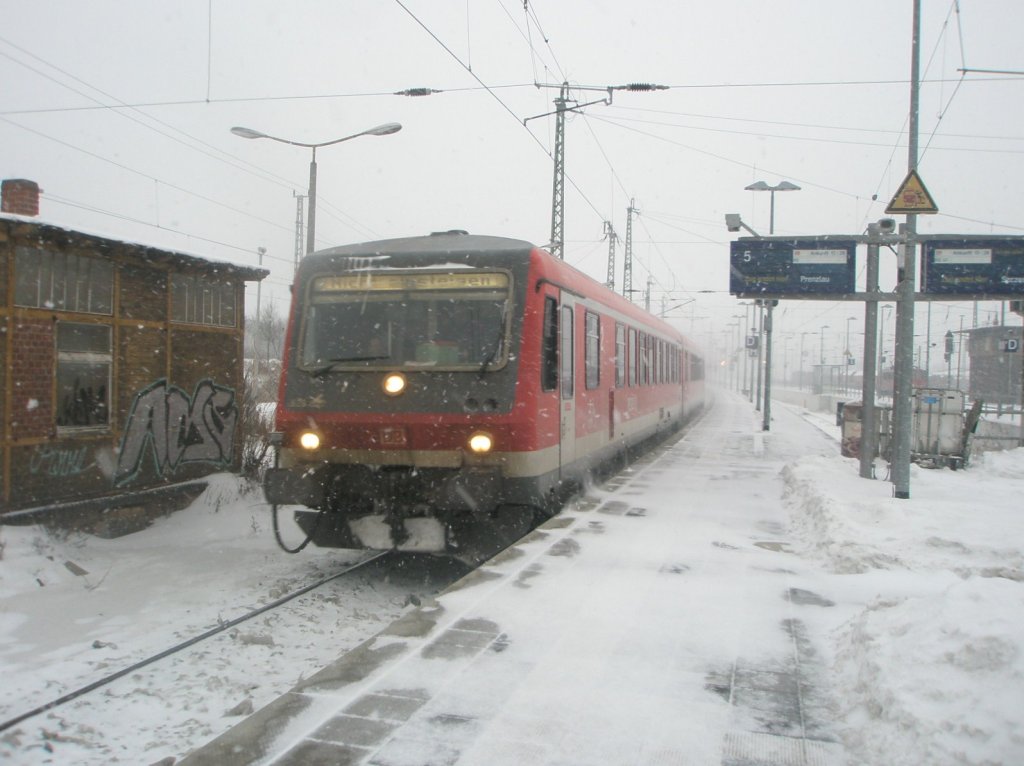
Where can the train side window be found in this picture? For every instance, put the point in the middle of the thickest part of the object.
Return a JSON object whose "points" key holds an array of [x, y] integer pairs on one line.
{"points": [[549, 346], [632, 356], [565, 355], [644, 373], [592, 350], [620, 355]]}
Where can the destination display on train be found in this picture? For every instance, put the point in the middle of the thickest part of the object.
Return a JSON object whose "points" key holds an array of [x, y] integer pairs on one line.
{"points": [[976, 267], [794, 267], [391, 281]]}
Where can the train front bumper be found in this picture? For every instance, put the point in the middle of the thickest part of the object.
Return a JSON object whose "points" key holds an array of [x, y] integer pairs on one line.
{"points": [[477, 490]]}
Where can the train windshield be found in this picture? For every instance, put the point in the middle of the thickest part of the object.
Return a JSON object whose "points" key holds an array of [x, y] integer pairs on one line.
{"points": [[408, 319]]}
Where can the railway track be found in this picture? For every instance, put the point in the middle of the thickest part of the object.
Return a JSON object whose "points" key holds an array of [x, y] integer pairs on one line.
{"points": [[221, 627]]}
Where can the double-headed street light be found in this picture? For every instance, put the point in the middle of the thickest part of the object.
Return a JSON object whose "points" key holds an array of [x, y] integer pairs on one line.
{"points": [[381, 130], [780, 186]]}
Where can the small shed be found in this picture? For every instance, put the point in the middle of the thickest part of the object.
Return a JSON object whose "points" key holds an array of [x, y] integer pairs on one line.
{"points": [[122, 368]]}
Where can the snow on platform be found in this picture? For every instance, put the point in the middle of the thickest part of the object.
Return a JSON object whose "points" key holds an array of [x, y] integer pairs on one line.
{"points": [[682, 614]]}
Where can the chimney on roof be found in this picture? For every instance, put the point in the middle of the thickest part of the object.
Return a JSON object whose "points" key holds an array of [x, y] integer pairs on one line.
{"points": [[19, 196]]}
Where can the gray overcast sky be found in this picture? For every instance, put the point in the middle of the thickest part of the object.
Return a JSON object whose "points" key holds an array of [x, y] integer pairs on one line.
{"points": [[121, 112]]}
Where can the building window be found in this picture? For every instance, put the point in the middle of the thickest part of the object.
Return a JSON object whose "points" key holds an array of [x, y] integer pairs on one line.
{"points": [[196, 301], [84, 356], [592, 350], [45, 279]]}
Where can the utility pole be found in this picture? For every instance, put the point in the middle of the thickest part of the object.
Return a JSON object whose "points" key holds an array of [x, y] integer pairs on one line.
{"points": [[759, 310], [609, 231], [903, 417], [766, 424], [557, 245], [299, 227], [261, 251], [627, 263], [558, 185], [869, 414]]}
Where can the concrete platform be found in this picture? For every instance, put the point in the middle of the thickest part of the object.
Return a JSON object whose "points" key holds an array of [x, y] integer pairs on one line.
{"points": [[661, 620]]}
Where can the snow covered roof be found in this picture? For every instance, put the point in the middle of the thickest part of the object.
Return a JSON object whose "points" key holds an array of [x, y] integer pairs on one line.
{"points": [[154, 255]]}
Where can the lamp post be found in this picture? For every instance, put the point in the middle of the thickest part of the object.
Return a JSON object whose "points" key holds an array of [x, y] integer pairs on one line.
{"points": [[380, 130], [764, 350], [730, 340], [821, 359], [741, 347], [848, 356], [803, 355], [881, 339]]}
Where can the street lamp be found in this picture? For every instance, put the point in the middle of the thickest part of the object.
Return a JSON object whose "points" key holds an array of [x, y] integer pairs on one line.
{"points": [[881, 337], [848, 355], [821, 361], [780, 186], [380, 130], [803, 355]]}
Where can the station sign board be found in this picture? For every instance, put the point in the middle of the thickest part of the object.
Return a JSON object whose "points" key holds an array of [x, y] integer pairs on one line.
{"points": [[973, 266], [792, 267]]}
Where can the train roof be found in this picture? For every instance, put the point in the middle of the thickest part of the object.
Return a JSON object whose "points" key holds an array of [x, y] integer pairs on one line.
{"points": [[455, 241], [460, 243]]}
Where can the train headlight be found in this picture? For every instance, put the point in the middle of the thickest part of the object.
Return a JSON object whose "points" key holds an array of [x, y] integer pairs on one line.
{"points": [[394, 383], [309, 440], [481, 442]]}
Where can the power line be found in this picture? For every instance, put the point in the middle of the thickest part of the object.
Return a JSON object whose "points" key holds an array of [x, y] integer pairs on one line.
{"points": [[129, 219], [760, 134], [142, 174], [816, 126], [495, 96]]}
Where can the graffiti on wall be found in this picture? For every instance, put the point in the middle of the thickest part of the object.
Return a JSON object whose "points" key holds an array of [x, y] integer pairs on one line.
{"points": [[60, 463], [178, 429]]}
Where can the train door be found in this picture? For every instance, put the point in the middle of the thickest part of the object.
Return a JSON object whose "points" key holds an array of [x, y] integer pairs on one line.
{"points": [[567, 382]]}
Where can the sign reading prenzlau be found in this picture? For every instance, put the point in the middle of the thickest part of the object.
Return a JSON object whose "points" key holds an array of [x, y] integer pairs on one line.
{"points": [[800, 266]]}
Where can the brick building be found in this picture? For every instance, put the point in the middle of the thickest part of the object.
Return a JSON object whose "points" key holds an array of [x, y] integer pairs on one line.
{"points": [[122, 367]]}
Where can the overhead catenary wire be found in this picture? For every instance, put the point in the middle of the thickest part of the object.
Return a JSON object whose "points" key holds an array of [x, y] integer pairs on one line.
{"points": [[504, 106]]}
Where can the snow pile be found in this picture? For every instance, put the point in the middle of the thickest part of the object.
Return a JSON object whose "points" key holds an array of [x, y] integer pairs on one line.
{"points": [[928, 661], [74, 608]]}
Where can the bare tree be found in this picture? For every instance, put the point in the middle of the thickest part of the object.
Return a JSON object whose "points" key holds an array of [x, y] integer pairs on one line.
{"points": [[264, 343]]}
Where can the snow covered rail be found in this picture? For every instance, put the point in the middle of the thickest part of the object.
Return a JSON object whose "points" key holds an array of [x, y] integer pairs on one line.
{"points": [[220, 628]]}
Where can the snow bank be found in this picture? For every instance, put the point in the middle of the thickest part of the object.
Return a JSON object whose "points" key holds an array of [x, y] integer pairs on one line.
{"points": [[929, 660]]}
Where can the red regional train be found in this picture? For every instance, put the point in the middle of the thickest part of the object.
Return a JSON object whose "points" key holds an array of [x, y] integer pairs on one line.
{"points": [[443, 391]]}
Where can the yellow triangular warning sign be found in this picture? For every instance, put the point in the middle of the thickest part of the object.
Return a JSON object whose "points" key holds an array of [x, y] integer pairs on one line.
{"points": [[912, 197]]}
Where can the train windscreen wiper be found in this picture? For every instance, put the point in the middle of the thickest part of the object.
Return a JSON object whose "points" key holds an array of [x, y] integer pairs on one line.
{"points": [[323, 369]]}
